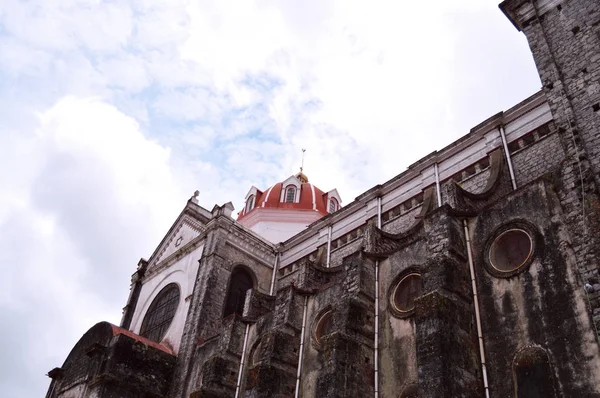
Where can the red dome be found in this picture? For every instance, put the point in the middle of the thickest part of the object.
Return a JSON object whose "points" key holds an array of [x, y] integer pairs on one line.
{"points": [[311, 198]]}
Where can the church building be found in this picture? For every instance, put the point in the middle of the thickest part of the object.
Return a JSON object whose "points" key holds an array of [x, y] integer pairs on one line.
{"points": [[474, 273]]}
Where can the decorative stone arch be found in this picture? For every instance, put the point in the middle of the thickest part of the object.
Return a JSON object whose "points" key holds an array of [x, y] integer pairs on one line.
{"points": [[241, 279], [532, 374], [410, 390]]}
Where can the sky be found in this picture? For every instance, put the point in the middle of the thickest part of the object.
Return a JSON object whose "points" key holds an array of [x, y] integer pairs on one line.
{"points": [[112, 113]]}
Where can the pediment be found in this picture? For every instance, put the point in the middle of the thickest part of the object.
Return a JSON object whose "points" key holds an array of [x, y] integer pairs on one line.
{"points": [[183, 232]]}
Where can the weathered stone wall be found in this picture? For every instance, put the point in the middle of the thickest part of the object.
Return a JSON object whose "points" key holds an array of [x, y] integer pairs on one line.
{"points": [[540, 158], [108, 363], [565, 43], [543, 305]]}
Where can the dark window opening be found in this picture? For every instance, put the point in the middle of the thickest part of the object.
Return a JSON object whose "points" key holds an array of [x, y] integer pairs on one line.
{"points": [[410, 391], [240, 283], [575, 30], [533, 375], [513, 146], [484, 163], [528, 139], [543, 130], [469, 171], [596, 107], [160, 313]]}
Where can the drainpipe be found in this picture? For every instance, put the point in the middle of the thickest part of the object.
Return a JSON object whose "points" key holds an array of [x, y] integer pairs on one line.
{"points": [[477, 316], [328, 245], [436, 170], [241, 371], [508, 159], [376, 339], [275, 266], [301, 352]]}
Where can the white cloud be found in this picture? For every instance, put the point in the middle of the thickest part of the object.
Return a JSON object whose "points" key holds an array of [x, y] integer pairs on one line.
{"points": [[88, 194]]}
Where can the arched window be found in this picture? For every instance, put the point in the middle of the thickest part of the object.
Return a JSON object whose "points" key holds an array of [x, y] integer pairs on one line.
{"points": [[241, 281], [160, 313], [250, 203], [290, 194], [333, 205], [533, 376], [410, 391]]}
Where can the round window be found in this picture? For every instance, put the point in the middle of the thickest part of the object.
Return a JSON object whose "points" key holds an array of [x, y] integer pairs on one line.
{"points": [[255, 354], [405, 293], [511, 250], [324, 326]]}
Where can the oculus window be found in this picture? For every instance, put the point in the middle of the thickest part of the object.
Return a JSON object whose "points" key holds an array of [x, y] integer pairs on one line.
{"points": [[511, 250], [324, 326], [405, 293], [160, 314]]}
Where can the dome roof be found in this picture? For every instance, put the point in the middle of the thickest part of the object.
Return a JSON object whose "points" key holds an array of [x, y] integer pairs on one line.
{"points": [[310, 198]]}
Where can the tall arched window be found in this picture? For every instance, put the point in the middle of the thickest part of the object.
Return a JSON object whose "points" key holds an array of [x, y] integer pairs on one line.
{"points": [[333, 205], [241, 281], [250, 203], [533, 375], [160, 313], [290, 194]]}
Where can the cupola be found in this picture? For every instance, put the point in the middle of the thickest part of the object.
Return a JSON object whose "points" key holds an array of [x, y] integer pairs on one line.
{"points": [[286, 208]]}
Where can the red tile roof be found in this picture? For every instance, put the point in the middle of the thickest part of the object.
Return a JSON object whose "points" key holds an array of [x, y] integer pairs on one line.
{"points": [[118, 330]]}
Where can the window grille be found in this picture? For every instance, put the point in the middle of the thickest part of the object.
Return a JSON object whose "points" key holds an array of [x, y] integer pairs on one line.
{"points": [[250, 203], [332, 206], [161, 313], [290, 195]]}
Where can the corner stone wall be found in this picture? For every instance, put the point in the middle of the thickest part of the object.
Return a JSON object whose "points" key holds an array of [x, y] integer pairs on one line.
{"points": [[565, 42]]}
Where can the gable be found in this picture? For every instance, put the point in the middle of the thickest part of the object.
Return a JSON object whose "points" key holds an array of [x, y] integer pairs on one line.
{"points": [[183, 232]]}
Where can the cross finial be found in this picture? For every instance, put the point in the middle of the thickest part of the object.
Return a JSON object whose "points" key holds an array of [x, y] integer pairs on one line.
{"points": [[302, 165]]}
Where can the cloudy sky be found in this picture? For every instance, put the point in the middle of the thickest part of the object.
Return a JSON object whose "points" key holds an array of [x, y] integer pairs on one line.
{"points": [[112, 112]]}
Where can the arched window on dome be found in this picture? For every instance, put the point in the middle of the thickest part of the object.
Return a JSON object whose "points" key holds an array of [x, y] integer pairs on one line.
{"points": [[240, 282], [290, 194], [333, 205], [250, 203]]}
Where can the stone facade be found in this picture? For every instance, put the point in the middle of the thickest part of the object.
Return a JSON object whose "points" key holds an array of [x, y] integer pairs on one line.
{"points": [[474, 273]]}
